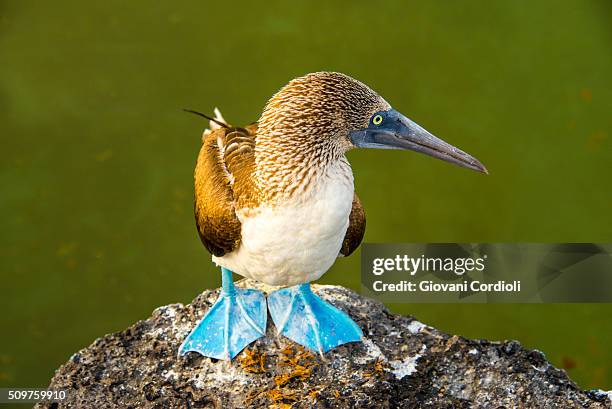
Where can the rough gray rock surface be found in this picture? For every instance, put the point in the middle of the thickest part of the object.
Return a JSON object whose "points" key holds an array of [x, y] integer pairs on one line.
{"points": [[402, 363]]}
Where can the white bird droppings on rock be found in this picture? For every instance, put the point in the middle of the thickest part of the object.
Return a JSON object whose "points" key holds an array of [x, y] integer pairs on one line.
{"points": [[408, 366], [415, 327], [373, 352]]}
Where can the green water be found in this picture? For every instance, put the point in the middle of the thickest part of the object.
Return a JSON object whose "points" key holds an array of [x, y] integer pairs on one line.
{"points": [[97, 158]]}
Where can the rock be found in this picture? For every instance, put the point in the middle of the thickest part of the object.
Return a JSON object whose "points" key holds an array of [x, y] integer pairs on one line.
{"points": [[402, 363]]}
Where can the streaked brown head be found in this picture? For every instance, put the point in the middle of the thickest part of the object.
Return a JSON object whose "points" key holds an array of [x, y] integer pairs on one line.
{"points": [[324, 114], [318, 111]]}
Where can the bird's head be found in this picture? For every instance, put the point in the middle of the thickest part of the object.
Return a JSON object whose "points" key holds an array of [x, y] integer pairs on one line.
{"points": [[329, 113]]}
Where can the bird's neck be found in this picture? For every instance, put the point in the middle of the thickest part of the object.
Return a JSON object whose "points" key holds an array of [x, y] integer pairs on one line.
{"points": [[290, 171]]}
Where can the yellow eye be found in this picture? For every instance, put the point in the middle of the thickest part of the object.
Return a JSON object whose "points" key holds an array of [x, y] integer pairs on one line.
{"points": [[377, 120]]}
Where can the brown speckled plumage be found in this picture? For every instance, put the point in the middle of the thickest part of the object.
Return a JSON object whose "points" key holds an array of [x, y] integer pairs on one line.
{"points": [[307, 122]]}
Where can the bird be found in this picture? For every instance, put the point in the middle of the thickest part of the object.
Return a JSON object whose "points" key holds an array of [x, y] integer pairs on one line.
{"points": [[275, 202]]}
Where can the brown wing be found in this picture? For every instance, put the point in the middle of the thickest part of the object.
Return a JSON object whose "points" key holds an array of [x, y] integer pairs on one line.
{"points": [[225, 153], [356, 230]]}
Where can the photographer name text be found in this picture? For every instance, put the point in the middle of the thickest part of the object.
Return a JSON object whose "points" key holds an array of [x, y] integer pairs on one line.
{"points": [[431, 286]]}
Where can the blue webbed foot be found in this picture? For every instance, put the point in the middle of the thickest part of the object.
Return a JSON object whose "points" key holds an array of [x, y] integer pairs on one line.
{"points": [[235, 320], [303, 317]]}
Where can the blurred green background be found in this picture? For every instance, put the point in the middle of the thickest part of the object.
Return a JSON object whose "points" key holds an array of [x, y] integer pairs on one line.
{"points": [[97, 157]]}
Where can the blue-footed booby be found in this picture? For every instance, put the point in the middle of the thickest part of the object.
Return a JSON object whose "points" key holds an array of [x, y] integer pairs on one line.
{"points": [[275, 202]]}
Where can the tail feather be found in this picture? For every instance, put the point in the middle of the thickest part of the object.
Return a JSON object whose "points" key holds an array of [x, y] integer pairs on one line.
{"points": [[219, 118], [214, 125]]}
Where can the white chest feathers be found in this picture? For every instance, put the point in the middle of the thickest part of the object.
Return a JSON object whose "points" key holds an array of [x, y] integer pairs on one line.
{"points": [[298, 241]]}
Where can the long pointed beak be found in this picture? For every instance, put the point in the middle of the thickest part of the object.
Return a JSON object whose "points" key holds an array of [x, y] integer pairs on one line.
{"points": [[398, 132]]}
